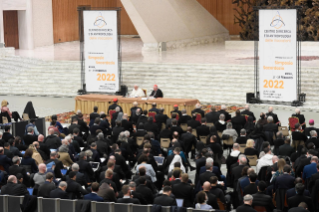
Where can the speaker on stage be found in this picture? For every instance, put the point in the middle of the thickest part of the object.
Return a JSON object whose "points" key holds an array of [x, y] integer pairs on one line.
{"points": [[249, 97], [123, 90]]}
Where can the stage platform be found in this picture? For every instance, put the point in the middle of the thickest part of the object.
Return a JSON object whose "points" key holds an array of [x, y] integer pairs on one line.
{"points": [[213, 74]]}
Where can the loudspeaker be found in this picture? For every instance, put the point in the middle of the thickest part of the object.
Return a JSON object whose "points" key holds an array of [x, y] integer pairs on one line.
{"points": [[249, 97], [123, 91]]}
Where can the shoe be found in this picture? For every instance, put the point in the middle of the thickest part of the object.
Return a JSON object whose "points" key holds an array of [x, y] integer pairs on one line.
{"points": [[192, 168]]}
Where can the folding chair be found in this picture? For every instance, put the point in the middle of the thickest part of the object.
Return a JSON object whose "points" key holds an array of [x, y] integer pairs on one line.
{"points": [[242, 148], [139, 140], [203, 139], [194, 132], [165, 142], [252, 159], [260, 208], [284, 130], [184, 126]]}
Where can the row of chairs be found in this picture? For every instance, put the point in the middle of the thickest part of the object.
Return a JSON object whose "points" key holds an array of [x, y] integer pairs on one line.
{"points": [[12, 204]]}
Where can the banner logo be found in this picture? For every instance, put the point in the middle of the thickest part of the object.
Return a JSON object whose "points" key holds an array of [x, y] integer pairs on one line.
{"points": [[100, 21], [277, 21]]}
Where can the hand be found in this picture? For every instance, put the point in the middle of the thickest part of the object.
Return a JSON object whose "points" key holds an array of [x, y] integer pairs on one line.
{"points": [[222, 184], [273, 172]]}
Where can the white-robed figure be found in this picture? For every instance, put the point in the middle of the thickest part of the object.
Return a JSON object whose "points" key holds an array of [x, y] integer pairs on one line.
{"points": [[177, 158], [137, 92]]}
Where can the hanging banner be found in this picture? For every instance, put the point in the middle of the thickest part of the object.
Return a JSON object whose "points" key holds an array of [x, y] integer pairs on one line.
{"points": [[277, 55], [101, 51]]}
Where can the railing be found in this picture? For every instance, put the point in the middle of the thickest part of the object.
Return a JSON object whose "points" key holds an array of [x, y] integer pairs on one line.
{"points": [[12, 204]]}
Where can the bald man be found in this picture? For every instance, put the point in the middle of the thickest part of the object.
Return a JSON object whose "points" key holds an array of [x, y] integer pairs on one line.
{"points": [[13, 188], [40, 177], [211, 198]]}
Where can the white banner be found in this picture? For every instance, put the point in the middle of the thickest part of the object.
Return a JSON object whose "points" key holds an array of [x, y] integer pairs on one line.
{"points": [[277, 55], [101, 51]]}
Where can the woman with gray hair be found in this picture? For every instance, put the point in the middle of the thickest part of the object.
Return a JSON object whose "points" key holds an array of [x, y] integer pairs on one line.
{"points": [[64, 156]]}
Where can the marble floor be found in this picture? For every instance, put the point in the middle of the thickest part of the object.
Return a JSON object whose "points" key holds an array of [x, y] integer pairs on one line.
{"points": [[132, 52]]}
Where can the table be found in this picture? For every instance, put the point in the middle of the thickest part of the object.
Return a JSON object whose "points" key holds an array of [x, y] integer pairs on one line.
{"points": [[85, 103]]}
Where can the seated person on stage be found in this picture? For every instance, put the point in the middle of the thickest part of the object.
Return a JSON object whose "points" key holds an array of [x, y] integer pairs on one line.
{"points": [[274, 115], [156, 93], [301, 118], [137, 92]]}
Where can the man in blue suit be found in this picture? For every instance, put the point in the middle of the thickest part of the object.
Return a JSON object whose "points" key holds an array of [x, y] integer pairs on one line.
{"points": [[93, 196], [310, 169], [4, 160], [285, 181], [292, 192]]}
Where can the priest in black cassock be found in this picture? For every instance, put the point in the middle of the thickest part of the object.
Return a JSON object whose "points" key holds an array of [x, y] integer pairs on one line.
{"points": [[157, 93]]}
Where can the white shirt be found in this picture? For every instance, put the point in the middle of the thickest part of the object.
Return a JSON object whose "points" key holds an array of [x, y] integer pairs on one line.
{"points": [[266, 160], [137, 93]]}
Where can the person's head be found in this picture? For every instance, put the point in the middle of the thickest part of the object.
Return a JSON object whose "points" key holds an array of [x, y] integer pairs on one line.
{"points": [[297, 126], [177, 173], [270, 119], [40, 138], [95, 187], [28, 153], [42, 168], [300, 188], [287, 169], [7, 145], [313, 134], [16, 160], [53, 155], [287, 139], [279, 135], [252, 177], [97, 120], [236, 147], [297, 110], [201, 197], [250, 171], [142, 180], [132, 185], [93, 145], [262, 186], [177, 150], [110, 165], [244, 171], [281, 164], [262, 115], [75, 167], [7, 128], [126, 190], [143, 159], [174, 122], [184, 178], [206, 186], [243, 132], [155, 87], [30, 130], [49, 177], [167, 190], [213, 139], [303, 205], [247, 107], [142, 170], [222, 117], [189, 129], [209, 167], [270, 109], [64, 148], [311, 122], [12, 179], [213, 180], [267, 150], [242, 159], [314, 159], [229, 125], [298, 180], [248, 199], [250, 143], [82, 156], [95, 109], [184, 111], [63, 185], [109, 173]]}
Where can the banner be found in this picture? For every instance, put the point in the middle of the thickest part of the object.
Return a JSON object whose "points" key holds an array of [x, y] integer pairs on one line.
{"points": [[101, 51], [277, 55]]}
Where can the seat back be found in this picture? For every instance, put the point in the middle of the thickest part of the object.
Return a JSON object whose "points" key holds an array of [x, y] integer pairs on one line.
{"points": [[2, 168], [67, 205], [25, 117], [296, 143], [145, 91], [111, 112], [252, 159], [292, 121], [142, 208], [139, 140], [5, 120], [194, 132], [104, 206], [163, 126], [284, 130], [242, 148], [121, 207], [210, 124], [184, 126], [221, 204], [14, 203], [152, 114], [165, 142], [50, 205], [219, 134], [203, 139], [229, 141], [260, 208]]}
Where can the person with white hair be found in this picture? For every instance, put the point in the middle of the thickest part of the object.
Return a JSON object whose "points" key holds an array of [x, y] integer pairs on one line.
{"points": [[270, 129], [198, 109], [221, 124], [247, 112], [14, 188], [223, 109], [40, 177], [137, 92], [230, 131], [274, 115], [246, 207], [301, 117]]}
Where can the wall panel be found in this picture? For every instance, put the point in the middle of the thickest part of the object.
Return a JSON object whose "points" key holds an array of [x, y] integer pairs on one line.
{"points": [[10, 28]]}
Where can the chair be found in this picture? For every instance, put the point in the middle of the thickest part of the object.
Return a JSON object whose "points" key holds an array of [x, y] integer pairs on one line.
{"points": [[252, 159], [284, 130], [142, 208], [50, 205], [121, 207], [209, 124], [165, 142], [139, 140], [145, 91], [229, 141], [67, 205], [25, 117], [111, 112], [260, 208], [219, 134], [4, 120], [198, 117], [296, 143], [14, 203], [292, 121], [152, 114], [194, 132], [163, 126], [242, 148], [184, 126], [177, 115], [221, 205], [203, 139], [104, 206]]}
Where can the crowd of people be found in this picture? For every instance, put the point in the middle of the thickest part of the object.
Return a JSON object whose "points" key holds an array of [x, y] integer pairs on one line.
{"points": [[60, 165]]}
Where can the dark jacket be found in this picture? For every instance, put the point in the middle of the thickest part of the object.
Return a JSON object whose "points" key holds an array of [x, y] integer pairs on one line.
{"points": [[184, 191], [75, 190], [86, 169], [146, 192], [59, 193], [164, 200], [245, 208], [52, 141], [45, 189], [286, 150], [157, 94], [296, 200], [29, 139], [262, 199], [249, 113], [212, 117], [58, 167], [128, 200], [93, 197], [14, 189], [285, 181]]}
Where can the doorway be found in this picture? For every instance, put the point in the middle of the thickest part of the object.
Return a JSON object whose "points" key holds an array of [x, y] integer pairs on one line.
{"points": [[11, 28]]}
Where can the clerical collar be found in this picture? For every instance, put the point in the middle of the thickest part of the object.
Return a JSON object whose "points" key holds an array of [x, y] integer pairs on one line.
{"points": [[126, 197]]}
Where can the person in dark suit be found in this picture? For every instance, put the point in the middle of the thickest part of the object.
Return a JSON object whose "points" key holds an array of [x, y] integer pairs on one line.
{"points": [[60, 192], [237, 170], [120, 160], [176, 111], [301, 117], [252, 187], [193, 123], [30, 137], [313, 179], [270, 129], [223, 109], [274, 115], [184, 191], [94, 115], [200, 162], [58, 164], [313, 138], [150, 126], [203, 130], [216, 189], [165, 199], [215, 146], [305, 161], [127, 196], [43, 147], [261, 198], [189, 140], [242, 138], [297, 199], [292, 192], [7, 135], [52, 140], [310, 169], [80, 177], [114, 105], [13, 188], [74, 189], [286, 149], [15, 169], [184, 118], [102, 145], [4, 160], [247, 206], [144, 190], [272, 168], [212, 116], [93, 195], [48, 186], [285, 181], [96, 126], [7, 151], [302, 207], [85, 167], [198, 110], [74, 125], [161, 118], [156, 93], [221, 123], [279, 141], [298, 135], [248, 112], [126, 124], [238, 121], [207, 174], [142, 119], [154, 109], [211, 198]]}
